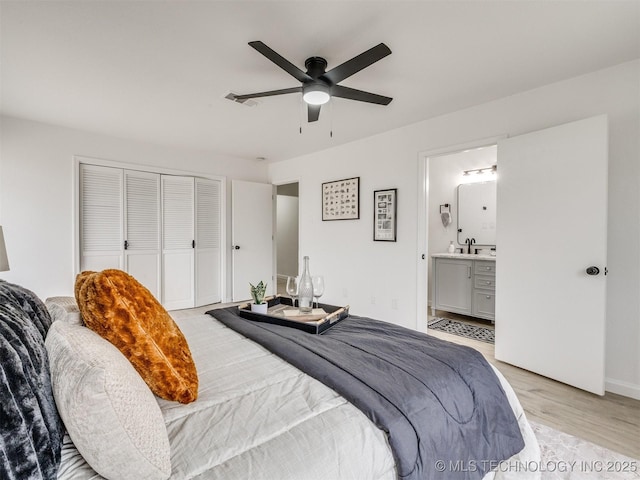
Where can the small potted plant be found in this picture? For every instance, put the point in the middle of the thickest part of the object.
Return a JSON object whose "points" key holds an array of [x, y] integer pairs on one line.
{"points": [[257, 293]]}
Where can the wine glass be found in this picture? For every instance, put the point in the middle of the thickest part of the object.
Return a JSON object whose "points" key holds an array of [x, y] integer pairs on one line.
{"points": [[292, 288], [318, 287]]}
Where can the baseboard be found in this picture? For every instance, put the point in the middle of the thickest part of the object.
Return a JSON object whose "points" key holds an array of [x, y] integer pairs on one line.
{"points": [[625, 389]]}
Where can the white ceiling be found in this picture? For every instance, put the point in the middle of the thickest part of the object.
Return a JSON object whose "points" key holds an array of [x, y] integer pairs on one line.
{"points": [[158, 71]]}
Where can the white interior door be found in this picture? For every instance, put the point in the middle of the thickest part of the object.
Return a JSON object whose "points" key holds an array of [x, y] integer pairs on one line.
{"points": [[142, 228], [177, 242], [252, 236], [552, 226]]}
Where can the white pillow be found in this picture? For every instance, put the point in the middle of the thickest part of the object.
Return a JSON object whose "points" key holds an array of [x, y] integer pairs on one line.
{"points": [[111, 415], [64, 309]]}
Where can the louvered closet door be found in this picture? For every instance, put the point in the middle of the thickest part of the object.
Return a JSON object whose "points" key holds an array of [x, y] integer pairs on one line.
{"points": [[101, 212], [142, 228], [178, 276], [208, 236]]}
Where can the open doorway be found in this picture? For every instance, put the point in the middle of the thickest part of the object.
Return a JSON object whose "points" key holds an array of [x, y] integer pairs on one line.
{"points": [[286, 234], [446, 173], [562, 165], [441, 173]]}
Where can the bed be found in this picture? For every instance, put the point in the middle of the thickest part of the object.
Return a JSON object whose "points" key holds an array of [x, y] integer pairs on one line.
{"points": [[259, 417]]}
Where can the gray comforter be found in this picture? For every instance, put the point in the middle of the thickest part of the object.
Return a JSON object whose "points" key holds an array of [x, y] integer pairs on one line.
{"points": [[31, 430], [441, 404]]}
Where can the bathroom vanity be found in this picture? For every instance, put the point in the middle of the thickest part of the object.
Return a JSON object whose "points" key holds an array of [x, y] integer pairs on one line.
{"points": [[464, 284]]}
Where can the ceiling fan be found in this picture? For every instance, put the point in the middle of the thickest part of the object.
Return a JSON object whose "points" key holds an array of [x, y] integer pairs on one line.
{"points": [[318, 85]]}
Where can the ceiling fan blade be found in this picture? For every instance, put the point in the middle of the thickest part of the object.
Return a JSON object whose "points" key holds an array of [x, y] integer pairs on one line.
{"points": [[359, 95], [282, 62], [270, 93], [356, 64], [313, 113]]}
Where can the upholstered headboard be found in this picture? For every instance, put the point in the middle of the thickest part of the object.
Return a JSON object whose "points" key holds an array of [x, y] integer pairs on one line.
{"points": [[31, 430]]}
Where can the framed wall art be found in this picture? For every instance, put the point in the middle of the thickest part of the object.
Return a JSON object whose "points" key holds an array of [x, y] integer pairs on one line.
{"points": [[385, 210], [341, 199]]}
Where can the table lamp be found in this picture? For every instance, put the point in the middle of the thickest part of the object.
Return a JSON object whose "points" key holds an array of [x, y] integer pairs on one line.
{"points": [[4, 261]]}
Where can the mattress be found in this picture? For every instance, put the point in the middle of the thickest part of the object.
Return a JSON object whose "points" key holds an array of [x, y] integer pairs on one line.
{"points": [[258, 417]]}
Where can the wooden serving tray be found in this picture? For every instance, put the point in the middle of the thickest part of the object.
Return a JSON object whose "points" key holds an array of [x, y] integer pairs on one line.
{"points": [[317, 323]]}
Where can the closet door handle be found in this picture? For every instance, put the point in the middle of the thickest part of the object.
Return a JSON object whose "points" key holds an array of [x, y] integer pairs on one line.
{"points": [[593, 270], [468, 272], [126, 244]]}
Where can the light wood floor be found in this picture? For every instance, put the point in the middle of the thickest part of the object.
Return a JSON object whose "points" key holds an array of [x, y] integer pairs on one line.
{"points": [[612, 421]]}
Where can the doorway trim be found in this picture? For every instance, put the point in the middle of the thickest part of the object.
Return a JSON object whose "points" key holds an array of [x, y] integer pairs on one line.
{"points": [[275, 227], [422, 281]]}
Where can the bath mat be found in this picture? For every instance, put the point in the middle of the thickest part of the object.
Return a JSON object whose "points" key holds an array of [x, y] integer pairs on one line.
{"points": [[463, 329]]}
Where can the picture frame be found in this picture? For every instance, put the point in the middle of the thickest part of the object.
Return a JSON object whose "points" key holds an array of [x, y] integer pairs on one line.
{"points": [[385, 215], [341, 199]]}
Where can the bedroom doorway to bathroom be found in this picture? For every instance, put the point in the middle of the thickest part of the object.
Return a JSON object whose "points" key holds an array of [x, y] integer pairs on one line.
{"points": [[287, 230], [563, 166], [462, 220], [462, 207]]}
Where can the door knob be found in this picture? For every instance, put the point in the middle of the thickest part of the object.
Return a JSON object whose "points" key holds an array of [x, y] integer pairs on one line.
{"points": [[236, 247], [593, 270]]}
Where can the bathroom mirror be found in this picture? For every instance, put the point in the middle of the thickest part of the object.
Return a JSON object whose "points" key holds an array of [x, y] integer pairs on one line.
{"points": [[477, 213]]}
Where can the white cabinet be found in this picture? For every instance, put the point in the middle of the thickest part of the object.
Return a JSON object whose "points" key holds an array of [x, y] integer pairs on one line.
{"points": [[453, 285], [465, 285], [164, 230]]}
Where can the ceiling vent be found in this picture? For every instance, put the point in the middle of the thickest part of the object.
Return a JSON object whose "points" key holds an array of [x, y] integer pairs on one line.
{"points": [[248, 102]]}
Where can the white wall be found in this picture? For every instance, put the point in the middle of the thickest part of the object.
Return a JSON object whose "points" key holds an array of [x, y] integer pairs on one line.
{"points": [[287, 235], [373, 277], [37, 193]]}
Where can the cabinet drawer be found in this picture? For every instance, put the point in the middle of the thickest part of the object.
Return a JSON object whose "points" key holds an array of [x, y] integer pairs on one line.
{"points": [[485, 267], [487, 282], [484, 304]]}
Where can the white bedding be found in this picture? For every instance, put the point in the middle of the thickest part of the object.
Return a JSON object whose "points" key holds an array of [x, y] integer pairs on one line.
{"points": [[258, 417]]}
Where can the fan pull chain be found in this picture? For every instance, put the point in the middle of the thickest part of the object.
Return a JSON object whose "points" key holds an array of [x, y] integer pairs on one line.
{"points": [[331, 119], [300, 110]]}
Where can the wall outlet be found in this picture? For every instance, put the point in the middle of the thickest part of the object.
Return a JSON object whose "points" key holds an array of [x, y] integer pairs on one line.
{"points": [[394, 303], [373, 300], [345, 293]]}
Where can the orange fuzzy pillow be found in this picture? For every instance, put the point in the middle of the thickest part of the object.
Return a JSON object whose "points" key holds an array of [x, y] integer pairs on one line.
{"points": [[80, 279], [117, 307]]}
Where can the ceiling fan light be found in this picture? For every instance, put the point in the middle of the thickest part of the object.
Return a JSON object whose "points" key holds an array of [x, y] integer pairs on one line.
{"points": [[316, 95]]}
